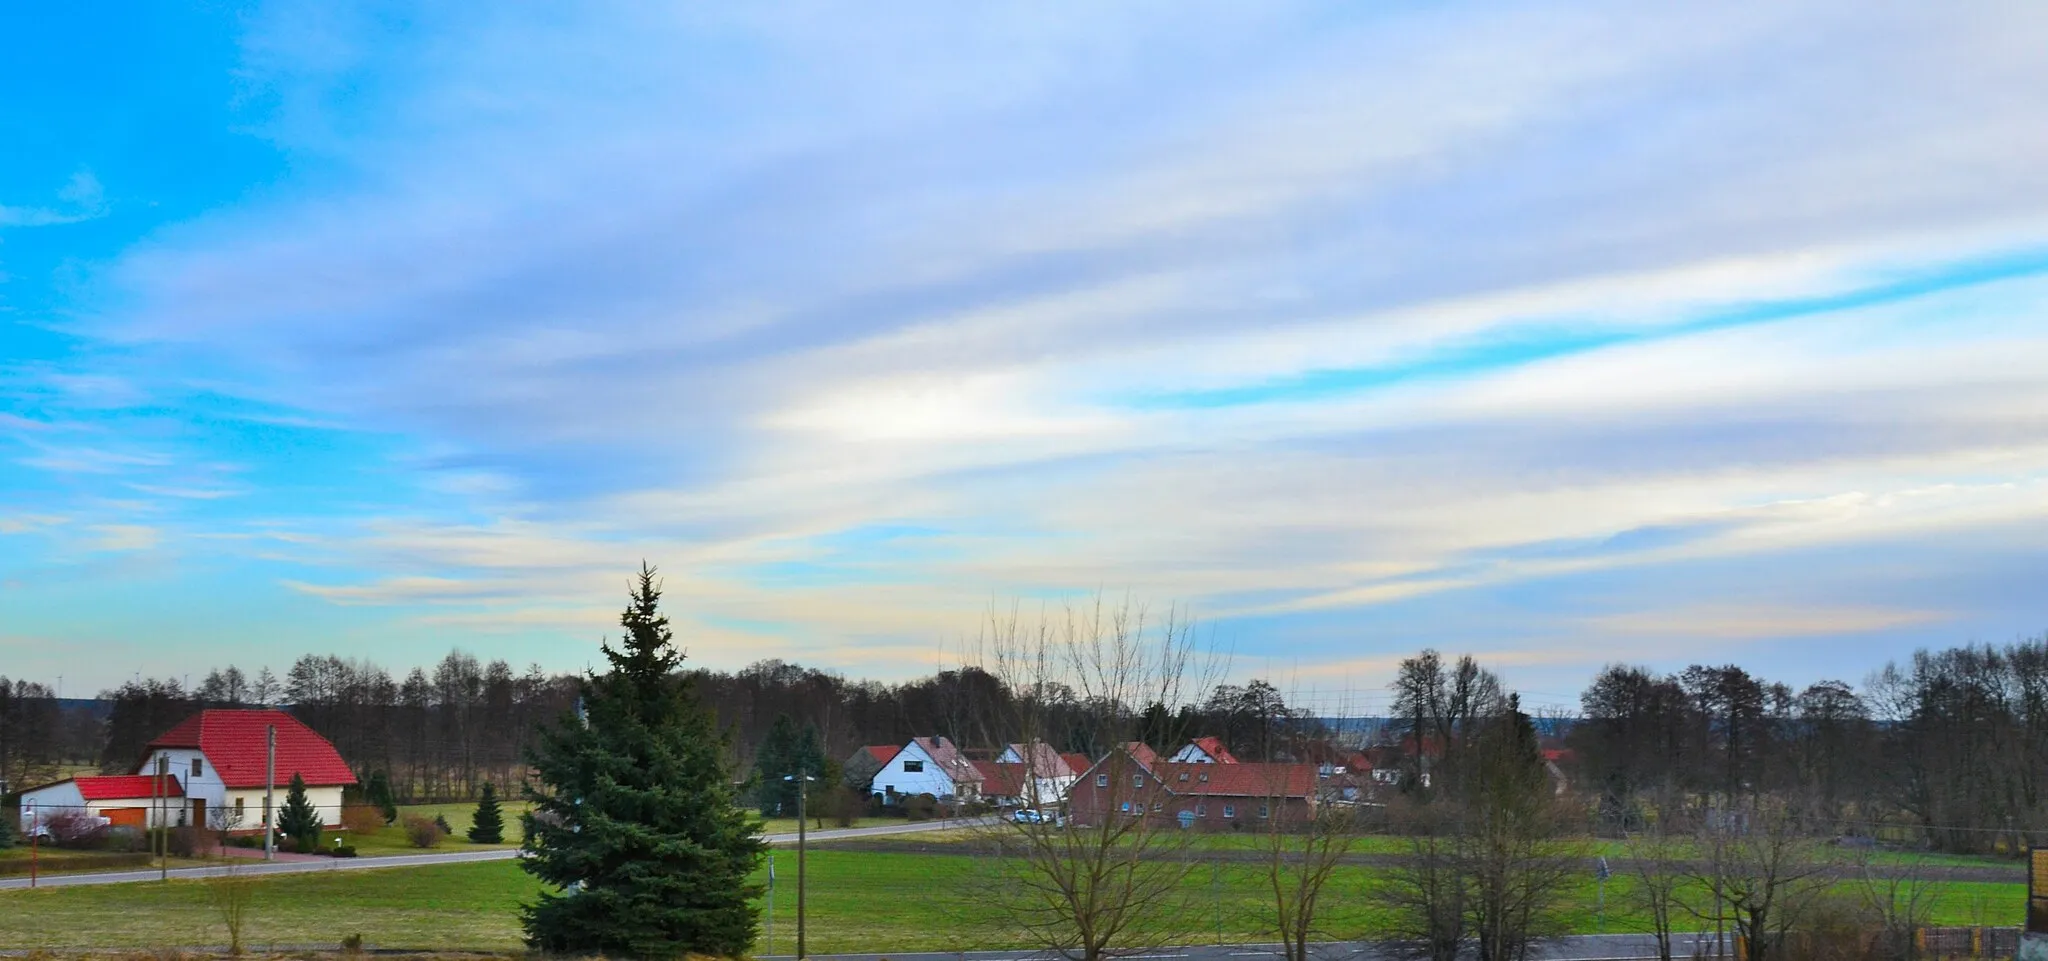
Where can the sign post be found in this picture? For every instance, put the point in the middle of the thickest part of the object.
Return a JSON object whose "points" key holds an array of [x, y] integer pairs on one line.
{"points": [[35, 835], [1601, 872]]}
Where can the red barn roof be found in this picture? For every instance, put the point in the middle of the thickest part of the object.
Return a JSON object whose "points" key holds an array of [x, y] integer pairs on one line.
{"points": [[233, 742], [882, 753], [1077, 763], [124, 786]]}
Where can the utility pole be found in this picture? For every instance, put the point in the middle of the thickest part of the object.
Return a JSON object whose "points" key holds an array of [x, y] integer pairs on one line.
{"points": [[163, 820], [801, 835], [269, 792]]}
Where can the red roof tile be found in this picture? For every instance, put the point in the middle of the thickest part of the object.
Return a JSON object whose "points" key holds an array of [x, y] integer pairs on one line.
{"points": [[1213, 746], [124, 786], [233, 742], [1001, 780], [883, 753], [1077, 763], [1238, 780]]}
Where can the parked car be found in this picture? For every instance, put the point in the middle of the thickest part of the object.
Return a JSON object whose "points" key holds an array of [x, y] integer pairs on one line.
{"points": [[1027, 816]]}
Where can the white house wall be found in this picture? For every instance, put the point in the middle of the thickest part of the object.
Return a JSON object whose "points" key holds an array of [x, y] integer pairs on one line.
{"points": [[932, 780]]}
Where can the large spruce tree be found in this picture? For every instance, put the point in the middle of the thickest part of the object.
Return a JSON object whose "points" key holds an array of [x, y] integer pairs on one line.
{"points": [[635, 820]]}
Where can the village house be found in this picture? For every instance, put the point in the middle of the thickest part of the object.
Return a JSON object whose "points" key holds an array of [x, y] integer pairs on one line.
{"points": [[864, 763], [1202, 795], [927, 765], [1204, 750], [215, 762]]}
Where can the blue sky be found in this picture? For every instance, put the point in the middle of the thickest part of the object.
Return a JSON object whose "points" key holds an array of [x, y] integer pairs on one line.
{"points": [[1556, 333]]}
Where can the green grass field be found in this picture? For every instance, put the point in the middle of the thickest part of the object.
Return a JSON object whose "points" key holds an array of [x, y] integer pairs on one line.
{"points": [[858, 901]]}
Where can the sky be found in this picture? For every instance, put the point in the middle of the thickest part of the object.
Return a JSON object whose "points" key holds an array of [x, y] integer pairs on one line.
{"points": [[1556, 333]]}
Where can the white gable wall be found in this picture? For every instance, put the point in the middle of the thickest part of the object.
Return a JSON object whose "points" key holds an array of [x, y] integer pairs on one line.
{"points": [[1191, 754], [912, 771]]}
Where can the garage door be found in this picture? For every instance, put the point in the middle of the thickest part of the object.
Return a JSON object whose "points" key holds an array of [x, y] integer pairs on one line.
{"points": [[125, 817]]}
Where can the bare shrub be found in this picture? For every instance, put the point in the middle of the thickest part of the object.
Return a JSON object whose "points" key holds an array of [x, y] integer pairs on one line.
{"points": [[362, 818], [423, 832]]}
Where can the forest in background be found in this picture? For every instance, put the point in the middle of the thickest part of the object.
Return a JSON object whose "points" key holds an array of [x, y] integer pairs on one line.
{"points": [[1950, 745]]}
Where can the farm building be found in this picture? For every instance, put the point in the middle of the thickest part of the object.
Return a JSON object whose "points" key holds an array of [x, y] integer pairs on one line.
{"points": [[1203, 795], [216, 761]]}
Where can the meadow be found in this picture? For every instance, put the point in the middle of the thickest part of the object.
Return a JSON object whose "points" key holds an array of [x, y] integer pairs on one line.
{"points": [[858, 901]]}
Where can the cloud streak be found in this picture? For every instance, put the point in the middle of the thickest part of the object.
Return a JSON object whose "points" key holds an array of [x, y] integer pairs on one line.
{"points": [[1325, 323]]}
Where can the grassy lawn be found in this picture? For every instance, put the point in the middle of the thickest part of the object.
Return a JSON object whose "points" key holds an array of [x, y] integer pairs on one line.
{"points": [[788, 825], [391, 839], [858, 901]]}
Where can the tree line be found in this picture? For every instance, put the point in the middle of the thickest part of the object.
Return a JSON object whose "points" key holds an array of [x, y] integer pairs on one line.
{"points": [[1948, 748]]}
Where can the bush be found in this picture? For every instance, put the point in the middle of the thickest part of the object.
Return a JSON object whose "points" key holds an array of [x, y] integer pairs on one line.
{"points": [[344, 850], [76, 829], [362, 818], [187, 841], [441, 821], [423, 832], [920, 807], [246, 840], [119, 839]]}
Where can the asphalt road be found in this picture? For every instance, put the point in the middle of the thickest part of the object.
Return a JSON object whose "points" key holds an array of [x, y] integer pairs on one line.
{"points": [[1584, 947], [252, 868]]}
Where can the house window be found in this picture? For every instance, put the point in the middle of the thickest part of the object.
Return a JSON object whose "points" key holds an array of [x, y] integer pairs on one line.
{"points": [[1265, 811], [1205, 777], [196, 768], [1183, 775], [1101, 780], [1157, 805], [1229, 811], [1201, 810], [238, 807], [913, 767], [1125, 807], [1137, 780]]}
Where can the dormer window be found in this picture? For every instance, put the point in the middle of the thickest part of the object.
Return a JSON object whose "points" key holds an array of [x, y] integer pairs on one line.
{"points": [[1205, 776]]}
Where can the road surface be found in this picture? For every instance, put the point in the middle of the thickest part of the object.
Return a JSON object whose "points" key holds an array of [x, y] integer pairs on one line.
{"points": [[424, 859]]}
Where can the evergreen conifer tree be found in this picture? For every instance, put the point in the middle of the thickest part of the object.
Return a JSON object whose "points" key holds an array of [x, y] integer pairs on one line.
{"points": [[379, 794], [297, 819], [636, 824], [9, 835], [488, 825], [773, 759]]}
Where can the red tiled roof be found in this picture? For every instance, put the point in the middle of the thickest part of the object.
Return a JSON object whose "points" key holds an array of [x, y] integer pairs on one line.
{"points": [[1213, 747], [1077, 763], [233, 742], [1142, 753], [124, 786], [883, 753], [1000, 779], [948, 758], [1238, 780]]}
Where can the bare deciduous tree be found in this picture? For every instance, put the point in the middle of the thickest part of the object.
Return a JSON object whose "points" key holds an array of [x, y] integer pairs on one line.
{"points": [[1760, 870], [231, 893], [1657, 862], [1299, 851], [1108, 875]]}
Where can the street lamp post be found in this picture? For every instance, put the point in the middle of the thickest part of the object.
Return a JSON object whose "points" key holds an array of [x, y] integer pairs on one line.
{"points": [[801, 780]]}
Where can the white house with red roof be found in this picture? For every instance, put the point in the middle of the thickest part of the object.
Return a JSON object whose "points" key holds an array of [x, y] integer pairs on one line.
{"points": [[927, 765], [123, 800], [216, 760], [1203, 750]]}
